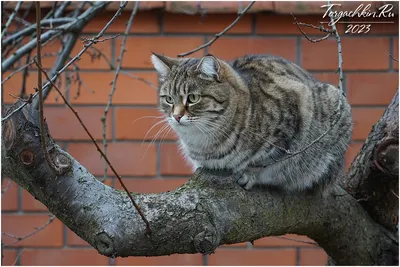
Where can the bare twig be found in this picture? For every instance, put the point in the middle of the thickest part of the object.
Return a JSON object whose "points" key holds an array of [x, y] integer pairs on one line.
{"points": [[60, 10], [241, 13], [392, 57], [340, 58], [394, 194], [32, 28], [10, 19], [77, 24], [20, 238], [100, 151], [112, 67], [86, 40], [297, 240], [17, 257], [5, 189], [54, 167], [61, 59], [321, 28], [17, 70], [78, 56], [114, 82]]}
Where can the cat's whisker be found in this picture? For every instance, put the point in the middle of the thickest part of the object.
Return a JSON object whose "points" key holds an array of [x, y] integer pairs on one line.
{"points": [[153, 140], [144, 138], [148, 117]]}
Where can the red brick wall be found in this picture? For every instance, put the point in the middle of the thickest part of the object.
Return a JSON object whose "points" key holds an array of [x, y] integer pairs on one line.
{"points": [[370, 81]]}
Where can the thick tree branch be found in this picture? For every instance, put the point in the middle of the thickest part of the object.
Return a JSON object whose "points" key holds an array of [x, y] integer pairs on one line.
{"points": [[374, 175], [208, 211]]}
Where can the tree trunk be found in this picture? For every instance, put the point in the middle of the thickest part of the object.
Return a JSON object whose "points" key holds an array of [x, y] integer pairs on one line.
{"points": [[210, 209]]}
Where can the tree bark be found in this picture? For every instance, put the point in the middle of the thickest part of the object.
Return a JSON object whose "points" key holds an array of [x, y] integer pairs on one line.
{"points": [[208, 211], [374, 175]]}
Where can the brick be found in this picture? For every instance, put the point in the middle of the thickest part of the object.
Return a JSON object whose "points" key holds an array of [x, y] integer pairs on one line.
{"points": [[131, 159], [74, 240], [175, 259], [253, 257], [364, 119], [64, 125], [272, 241], [21, 225], [114, 6], [139, 49], [128, 90], [29, 203], [395, 53], [212, 23], [356, 54], [9, 199], [371, 88], [137, 123], [148, 186], [172, 162], [284, 24], [216, 6], [9, 257], [238, 47], [14, 86], [306, 7], [57, 257], [351, 153], [330, 78], [143, 22], [313, 257]]}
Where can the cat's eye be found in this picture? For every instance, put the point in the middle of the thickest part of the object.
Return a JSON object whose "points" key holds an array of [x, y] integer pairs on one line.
{"points": [[193, 98], [169, 99]]}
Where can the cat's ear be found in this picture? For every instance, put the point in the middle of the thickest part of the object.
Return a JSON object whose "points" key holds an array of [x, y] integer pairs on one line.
{"points": [[210, 67], [162, 64]]}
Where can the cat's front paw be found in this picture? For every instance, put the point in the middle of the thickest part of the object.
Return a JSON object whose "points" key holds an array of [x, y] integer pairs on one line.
{"points": [[247, 181]]}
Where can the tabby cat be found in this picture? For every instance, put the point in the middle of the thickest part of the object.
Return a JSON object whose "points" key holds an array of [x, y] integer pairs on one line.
{"points": [[249, 116]]}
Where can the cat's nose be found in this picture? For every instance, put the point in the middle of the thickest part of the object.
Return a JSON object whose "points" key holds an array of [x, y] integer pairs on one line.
{"points": [[178, 117]]}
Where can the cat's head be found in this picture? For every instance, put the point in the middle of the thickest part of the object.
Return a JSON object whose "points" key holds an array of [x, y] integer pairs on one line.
{"points": [[195, 93]]}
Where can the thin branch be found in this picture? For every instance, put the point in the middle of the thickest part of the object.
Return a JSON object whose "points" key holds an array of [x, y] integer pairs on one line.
{"points": [[77, 24], [54, 167], [100, 151], [20, 238], [78, 56], [10, 19], [61, 59], [340, 58], [5, 189], [111, 65], [60, 10], [297, 240], [321, 28], [17, 257], [24, 67], [32, 28], [218, 35], [25, 74], [114, 82], [392, 57], [95, 41]]}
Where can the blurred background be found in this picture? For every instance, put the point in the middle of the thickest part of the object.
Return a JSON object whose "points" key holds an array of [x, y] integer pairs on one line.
{"points": [[152, 164]]}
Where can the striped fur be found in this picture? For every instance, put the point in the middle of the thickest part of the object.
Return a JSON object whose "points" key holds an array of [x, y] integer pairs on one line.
{"points": [[248, 111]]}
